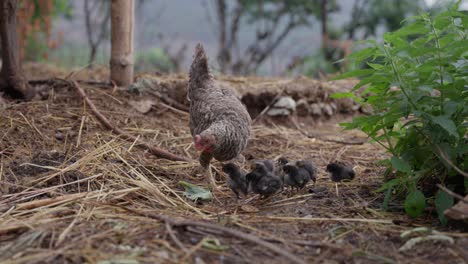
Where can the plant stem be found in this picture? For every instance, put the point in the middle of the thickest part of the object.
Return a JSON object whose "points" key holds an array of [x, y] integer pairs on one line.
{"points": [[400, 80], [437, 42], [381, 144], [390, 146]]}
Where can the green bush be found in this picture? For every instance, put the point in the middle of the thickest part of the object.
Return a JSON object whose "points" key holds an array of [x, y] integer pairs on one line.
{"points": [[154, 59], [417, 88]]}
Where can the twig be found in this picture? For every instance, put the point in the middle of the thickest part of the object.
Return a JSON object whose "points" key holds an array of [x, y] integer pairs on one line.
{"points": [[224, 230], [169, 101], [307, 243], [102, 84], [275, 99], [323, 219], [154, 150], [174, 238], [444, 157], [48, 201], [449, 192]]}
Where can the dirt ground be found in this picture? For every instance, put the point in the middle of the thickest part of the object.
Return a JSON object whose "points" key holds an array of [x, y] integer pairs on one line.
{"points": [[74, 192]]}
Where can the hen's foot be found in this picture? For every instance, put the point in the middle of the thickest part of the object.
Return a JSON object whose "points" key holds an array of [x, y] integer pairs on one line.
{"points": [[198, 171]]}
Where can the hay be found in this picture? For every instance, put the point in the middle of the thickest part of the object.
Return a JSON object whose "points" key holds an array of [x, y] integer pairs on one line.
{"points": [[65, 179]]}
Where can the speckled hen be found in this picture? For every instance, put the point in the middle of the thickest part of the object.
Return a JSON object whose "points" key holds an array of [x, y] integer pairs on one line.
{"points": [[219, 122]]}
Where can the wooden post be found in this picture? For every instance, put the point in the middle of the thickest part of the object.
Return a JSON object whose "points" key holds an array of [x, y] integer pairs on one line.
{"points": [[122, 21], [12, 79]]}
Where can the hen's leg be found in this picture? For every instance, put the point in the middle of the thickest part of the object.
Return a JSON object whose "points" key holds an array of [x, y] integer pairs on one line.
{"points": [[214, 186], [205, 160]]}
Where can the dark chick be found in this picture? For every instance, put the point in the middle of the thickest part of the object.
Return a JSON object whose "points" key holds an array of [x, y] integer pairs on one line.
{"points": [[309, 167], [295, 176], [339, 172], [279, 167], [262, 181], [236, 181], [270, 166]]}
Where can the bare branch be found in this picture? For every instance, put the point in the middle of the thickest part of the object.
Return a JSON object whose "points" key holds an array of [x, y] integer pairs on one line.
{"points": [[154, 150]]}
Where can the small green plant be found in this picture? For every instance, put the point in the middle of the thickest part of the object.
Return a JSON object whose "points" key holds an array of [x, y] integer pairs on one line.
{"points": [[417, 88]]}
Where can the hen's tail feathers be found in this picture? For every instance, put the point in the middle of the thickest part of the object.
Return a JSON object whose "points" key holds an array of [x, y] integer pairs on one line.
{"points": [[199, 71]]}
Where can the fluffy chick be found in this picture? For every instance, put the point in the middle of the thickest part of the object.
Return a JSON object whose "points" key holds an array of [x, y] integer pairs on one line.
{"points": [[270, 166], [279, 167], [296, 176], [236, 181], [262, 181], [339, 172], [309, 167]]}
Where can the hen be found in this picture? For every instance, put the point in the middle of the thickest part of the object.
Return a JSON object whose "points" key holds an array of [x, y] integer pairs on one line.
{"points": [[219, 122]]}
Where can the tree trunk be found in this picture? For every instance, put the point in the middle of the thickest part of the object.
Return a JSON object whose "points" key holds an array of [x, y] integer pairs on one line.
{"points": [[325, 37], [12, 79], [223, 52], [121, 62]]}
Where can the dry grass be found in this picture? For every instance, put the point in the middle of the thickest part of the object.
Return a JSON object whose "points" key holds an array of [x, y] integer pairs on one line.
{"points": [[66, 181]]}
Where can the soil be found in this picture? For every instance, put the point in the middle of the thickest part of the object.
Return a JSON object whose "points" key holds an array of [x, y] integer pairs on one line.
{"points": [[64, 176]]}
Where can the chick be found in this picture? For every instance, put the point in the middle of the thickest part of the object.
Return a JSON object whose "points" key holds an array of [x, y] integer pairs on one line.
{"points": [[262, 181], [282, 161], [309, 167], [339, 172], [298, 174], [236, 181], [270, 166], [279, 167]]}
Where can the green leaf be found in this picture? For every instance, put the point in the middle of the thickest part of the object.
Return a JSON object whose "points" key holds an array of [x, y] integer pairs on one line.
{"points": [[443, 201], [417, 27], [355, 73], [446, 123], [213, 244], [388, 185], [415, 203], [386, 200], [400, 164], [195, 192], [346, 95], [362, 54]]}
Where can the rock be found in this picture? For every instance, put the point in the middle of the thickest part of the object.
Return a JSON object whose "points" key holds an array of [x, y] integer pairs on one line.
{"points": [[59, 136], [143, 106], [366, 109], [347, 105], [278, 112], [315, 109], [334, 107], [327, 109], [285, 102], [302, 108], [283, 107], [458, 211]]}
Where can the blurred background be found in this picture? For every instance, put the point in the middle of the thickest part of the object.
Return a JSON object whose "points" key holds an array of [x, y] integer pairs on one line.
{"points": [[242, 37]]}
